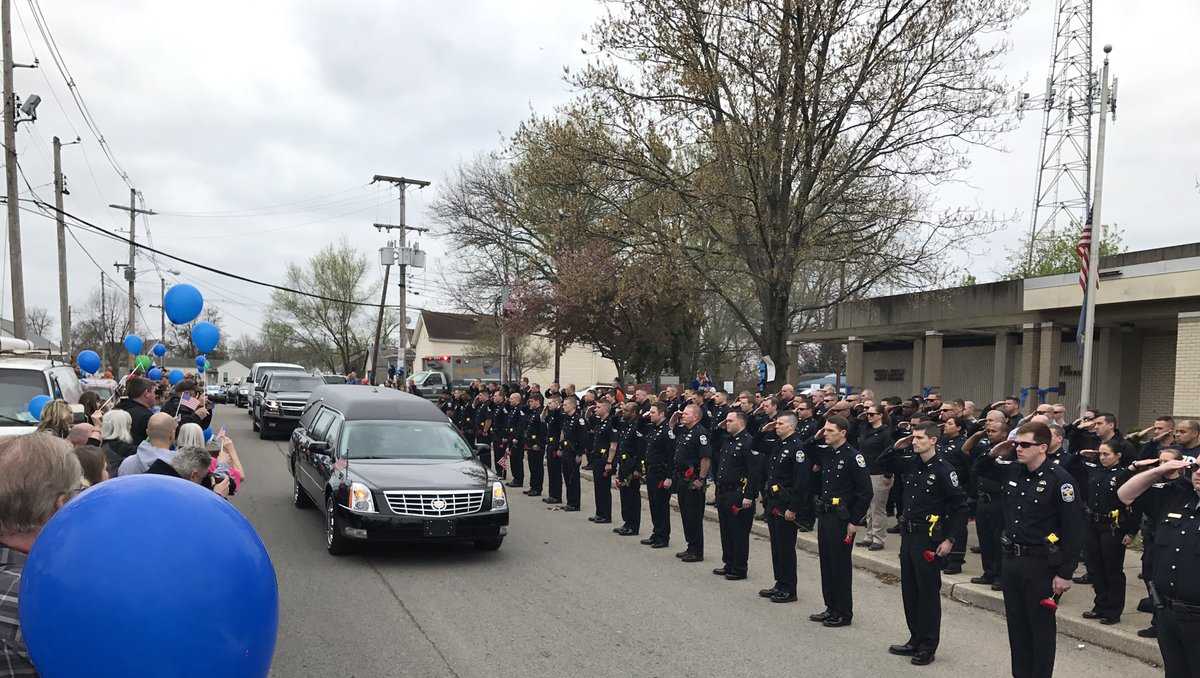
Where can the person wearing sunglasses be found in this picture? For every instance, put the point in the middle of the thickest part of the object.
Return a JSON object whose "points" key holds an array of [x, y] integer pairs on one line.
{"points": [[1043, 532]]}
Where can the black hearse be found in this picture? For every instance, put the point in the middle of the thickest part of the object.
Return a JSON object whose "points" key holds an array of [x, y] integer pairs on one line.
{"points": [[389, 466]]}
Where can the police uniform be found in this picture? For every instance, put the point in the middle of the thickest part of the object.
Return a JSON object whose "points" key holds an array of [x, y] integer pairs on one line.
{"points": [[715, 415], [1176, 587], [844, 497], [951, 450], [573, 438], [788, 488], [736, 478], [515, 430], [765, 442], [1043, 528], [989, 512], [691, 446], [658, 459], [483, 425], [628, 470], [534, 435], [1109, 521], [499, 436], [935, 509], [554, 463], [603, 434], [806, 430]]}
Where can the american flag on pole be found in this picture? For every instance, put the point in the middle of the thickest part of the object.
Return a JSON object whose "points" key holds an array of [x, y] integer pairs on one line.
{"points": [[1083, 249]]}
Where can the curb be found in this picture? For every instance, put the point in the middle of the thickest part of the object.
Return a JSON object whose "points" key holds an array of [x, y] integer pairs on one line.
{"points": [[959, 589]]}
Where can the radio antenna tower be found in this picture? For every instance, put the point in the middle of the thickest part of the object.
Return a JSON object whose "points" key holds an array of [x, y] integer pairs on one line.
{"points": [[1062, 193]]}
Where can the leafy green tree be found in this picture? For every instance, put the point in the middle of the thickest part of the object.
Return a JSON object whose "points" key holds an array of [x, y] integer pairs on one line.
{"points": [[1054, 253]]}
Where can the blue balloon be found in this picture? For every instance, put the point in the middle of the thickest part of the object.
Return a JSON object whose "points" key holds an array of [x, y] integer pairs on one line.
{"points": [[154, 374], [200, 360], [193, 580], [208, 434], [159, 350], [175, 376], [133, 344], [37, 404], [183, 303], [205, 336], [88, 361]]}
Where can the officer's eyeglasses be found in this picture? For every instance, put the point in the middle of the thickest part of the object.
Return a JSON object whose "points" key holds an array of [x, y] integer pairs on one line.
{"points": [[1024, 445]]}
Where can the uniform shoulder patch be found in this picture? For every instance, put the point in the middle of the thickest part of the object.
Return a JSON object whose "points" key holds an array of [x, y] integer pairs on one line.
{"points": [[954, 478], [703, 439], [862, 462], [1067, 490], [799, 456]]}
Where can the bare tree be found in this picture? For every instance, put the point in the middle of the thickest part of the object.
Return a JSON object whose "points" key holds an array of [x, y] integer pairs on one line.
{"points": [[38, 320]]}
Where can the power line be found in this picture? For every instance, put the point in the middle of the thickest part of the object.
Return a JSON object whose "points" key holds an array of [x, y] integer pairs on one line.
{"points": [[305, 205]]}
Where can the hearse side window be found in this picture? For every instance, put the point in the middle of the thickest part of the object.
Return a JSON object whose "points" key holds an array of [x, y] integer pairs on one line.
{"points": [[321, 426]]}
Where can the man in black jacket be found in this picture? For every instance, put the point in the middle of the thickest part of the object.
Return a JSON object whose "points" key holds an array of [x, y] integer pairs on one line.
{"points": [[139, 402], [187, 407]]}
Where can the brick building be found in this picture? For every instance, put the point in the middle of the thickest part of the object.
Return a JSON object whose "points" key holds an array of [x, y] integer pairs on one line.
{"points": [[984, 342]]}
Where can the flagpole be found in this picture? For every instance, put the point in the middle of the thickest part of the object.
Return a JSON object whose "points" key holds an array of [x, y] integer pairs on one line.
{"points": [[1085, 389]]}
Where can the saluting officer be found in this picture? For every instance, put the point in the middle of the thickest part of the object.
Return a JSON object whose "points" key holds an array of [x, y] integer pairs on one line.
{"points": [[1110, 528], [498, 433], [1043, 530], [788, 502], [1175, 586], [553, 418], [514, 430], [845, 496], [604, 442], [935, 511], [692, 458], [658, 460], [737, 480], [625, 467], [716, 410], [574, 430]]}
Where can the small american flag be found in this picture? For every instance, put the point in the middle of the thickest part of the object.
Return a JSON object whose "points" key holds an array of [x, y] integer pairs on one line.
{"points": [[189, 401]]}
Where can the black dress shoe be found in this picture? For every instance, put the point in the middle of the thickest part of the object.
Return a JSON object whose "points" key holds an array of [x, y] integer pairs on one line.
{"points": [[985, 579], [1092, 614], [895, 529], [997, 586], [783, 597], [733, 576], [602, 521], [1084, 578], [570, 508], [692, 558], [649, 541], [820, 616], [804, 528], [1145, 605], [1109, 621], [905, 650], [630, 532], [683, 553], [619, 529], [953, 569], [922, 658], [1148, 632], [552, 500], [660, 544], [720, 572], [514, 484], [529, 493], [836, 622], [767, 593]]}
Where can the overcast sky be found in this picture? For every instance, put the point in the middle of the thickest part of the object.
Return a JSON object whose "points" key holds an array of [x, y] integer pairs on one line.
{"points": [[218, 110]]}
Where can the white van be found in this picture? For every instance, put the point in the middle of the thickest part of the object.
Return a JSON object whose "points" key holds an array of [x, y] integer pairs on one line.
{"points": [[23, 378]]}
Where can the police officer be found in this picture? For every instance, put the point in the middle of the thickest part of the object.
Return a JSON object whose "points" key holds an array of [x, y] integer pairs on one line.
{"points": [[788, 500], [989, 507], [659, 457], [533, 432], [1176, 588], [1110, 529], [572, 435], [765, 439], [808, 425], [625, 467], [497, 431], [553, 419], [950, 448], [604, 443], [845, 496], [1043, 528], [483, 426], [693, 453], [935, 511], [736, 478], [514, 425]]}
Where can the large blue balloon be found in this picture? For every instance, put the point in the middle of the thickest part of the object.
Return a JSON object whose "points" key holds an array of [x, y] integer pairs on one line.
{"points": [[88, 361], [159, 350], [183, 303], [37, 404], [133, 344], [205, 336], [193, 581], [200, 361], [175, 376], [154, 374]]}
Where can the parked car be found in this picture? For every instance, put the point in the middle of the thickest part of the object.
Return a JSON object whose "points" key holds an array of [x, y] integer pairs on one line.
{"points": [[388, 466], [23, 378], [284, 396], [241, 396], [215, 393]]}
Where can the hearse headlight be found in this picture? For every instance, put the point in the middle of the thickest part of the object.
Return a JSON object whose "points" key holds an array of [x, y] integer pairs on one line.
{"points": [[499, 498], [360, 499]]}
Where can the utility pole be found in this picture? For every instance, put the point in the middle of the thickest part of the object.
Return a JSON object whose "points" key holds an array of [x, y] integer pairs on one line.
{"points": [[1107, 103], [60, 189], [387, 257], [130, 270], [10, 166], [405, 257]]}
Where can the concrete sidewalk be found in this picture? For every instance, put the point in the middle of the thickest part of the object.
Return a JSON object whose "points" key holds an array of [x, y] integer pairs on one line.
{"points": [[1121, 637]]}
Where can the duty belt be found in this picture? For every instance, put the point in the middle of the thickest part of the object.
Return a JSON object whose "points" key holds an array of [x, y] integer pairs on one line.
{"points": [[730, 487], [986, 497], [829, 506], [1180, 606], [1026, 551]]}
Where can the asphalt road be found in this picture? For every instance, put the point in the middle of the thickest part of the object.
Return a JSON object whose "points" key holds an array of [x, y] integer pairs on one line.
{"points": [[566, 597]]}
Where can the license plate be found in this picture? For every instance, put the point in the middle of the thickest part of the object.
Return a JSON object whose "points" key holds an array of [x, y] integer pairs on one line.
{"points": [[439, 528]]}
